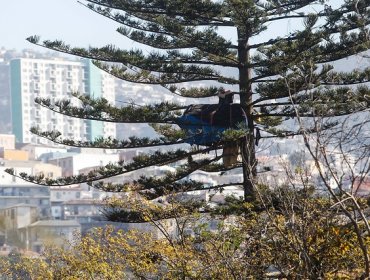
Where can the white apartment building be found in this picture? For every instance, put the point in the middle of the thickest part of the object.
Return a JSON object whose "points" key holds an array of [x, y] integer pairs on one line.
{"points": [[56, 79]]}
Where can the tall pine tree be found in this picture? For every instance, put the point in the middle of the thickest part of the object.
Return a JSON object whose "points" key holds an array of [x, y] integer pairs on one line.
{"points": [[276, 79]]}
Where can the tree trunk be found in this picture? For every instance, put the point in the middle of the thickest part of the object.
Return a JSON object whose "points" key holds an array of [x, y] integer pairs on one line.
{"points": [[247, 150]]}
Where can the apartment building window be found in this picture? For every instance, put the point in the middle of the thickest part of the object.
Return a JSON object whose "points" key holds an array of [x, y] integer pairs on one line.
{"points": [[44, 202]]}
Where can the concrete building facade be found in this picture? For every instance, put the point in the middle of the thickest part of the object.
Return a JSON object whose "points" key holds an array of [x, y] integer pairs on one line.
{"points": [[30, 194], [19, 215], [56, 79], [35, 236]]}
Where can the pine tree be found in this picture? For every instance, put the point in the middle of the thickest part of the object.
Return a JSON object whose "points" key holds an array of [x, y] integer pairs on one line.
{"points": [[277, 78]]}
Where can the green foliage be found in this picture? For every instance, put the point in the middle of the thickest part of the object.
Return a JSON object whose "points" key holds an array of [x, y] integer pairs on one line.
{"points": [[234, 135], [110, 142], [100, 109], [152, 187]]}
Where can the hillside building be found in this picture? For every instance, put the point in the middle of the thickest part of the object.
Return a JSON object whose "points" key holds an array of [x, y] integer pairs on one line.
{"points": [[56, 79]]}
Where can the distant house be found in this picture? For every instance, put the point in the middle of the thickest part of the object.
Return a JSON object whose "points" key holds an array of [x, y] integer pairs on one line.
{"points": [[30, 194], [61, 195], [35, 236], [15, 217], [82, 210], [39, 152], [27, 166], [18, 216]]}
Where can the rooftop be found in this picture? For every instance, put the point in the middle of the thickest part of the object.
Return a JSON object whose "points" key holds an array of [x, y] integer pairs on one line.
{"points": [[55, 223]]}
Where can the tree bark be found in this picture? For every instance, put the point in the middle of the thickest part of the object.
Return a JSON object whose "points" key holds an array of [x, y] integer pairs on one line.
{"points": [[247, 150]]}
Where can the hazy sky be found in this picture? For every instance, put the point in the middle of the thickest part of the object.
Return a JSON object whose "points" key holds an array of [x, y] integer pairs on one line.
{"points": [[76, 25], [54, 19], [66, 20]]}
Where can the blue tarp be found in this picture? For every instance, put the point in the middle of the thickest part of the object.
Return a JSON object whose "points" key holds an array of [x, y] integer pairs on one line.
{"points": [[205, 123]]}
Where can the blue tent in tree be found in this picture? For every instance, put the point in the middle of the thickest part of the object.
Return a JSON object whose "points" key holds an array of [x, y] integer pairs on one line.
{"points": [[205, 123]]}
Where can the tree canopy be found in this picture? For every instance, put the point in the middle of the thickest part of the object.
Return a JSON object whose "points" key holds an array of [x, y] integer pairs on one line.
{"points": [[188, 50]]}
